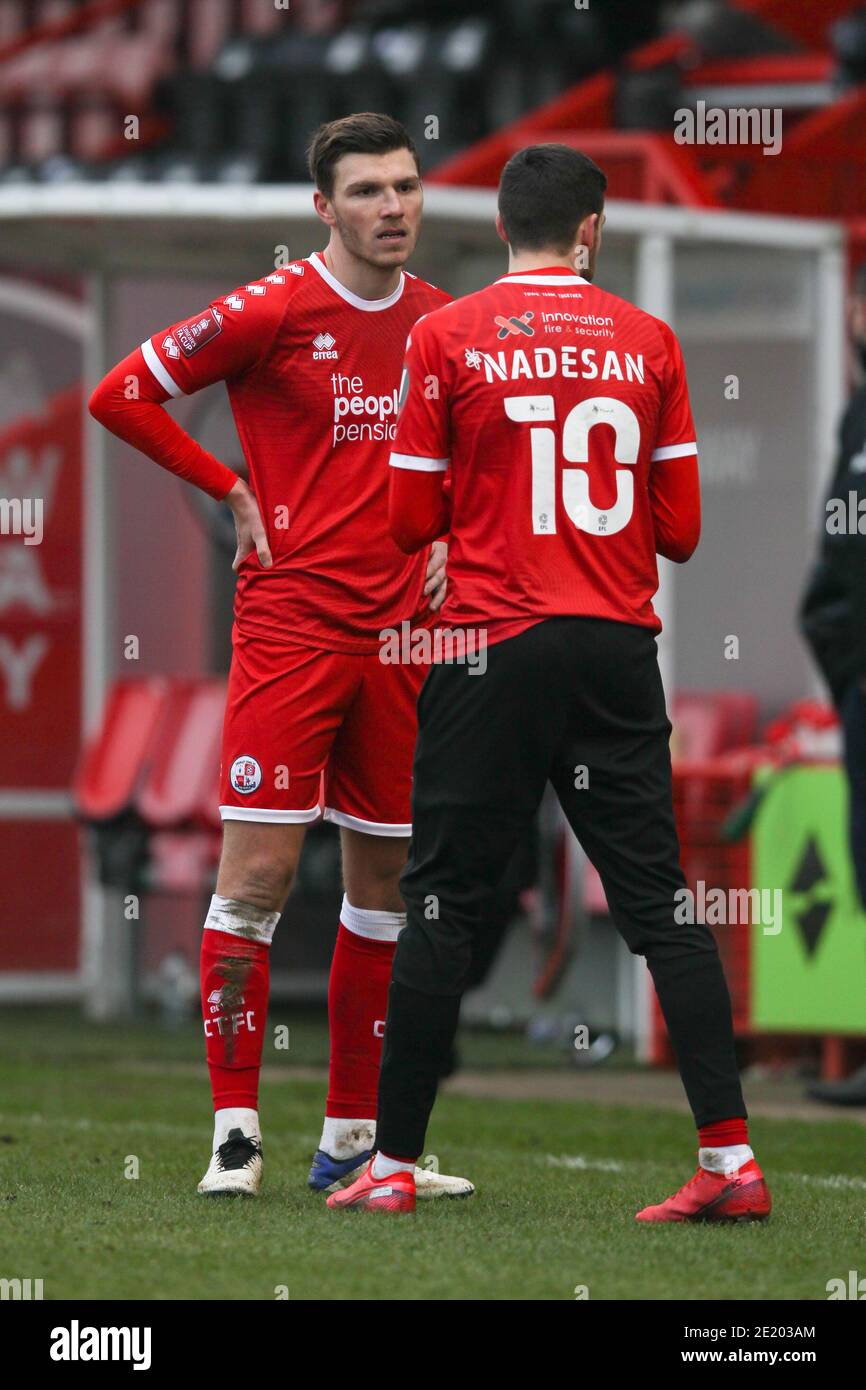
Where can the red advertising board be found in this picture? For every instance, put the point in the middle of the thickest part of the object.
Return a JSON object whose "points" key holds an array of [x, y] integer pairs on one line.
{"points": [[40, 597], [40, 685]]}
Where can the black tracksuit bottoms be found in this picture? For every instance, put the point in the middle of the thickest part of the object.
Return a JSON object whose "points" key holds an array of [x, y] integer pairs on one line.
{"points": [[579, 702]]}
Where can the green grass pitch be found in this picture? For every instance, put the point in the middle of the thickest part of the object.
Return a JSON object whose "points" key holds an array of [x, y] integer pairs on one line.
{"points": [[558, 1184]]}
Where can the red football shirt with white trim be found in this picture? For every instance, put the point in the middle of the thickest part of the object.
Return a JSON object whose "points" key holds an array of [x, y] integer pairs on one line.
{"points": [[312, 373], [554, 406]]}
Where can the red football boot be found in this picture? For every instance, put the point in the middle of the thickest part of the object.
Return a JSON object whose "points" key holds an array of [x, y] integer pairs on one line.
{"points": [[744, 1196], [395, 1193]]}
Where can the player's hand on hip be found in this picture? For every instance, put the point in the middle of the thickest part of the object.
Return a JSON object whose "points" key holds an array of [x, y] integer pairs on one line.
{"points": [[437, 579], [249, 526]]}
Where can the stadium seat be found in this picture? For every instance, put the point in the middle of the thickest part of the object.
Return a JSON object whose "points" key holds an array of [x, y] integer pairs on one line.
{"points": [[93, 126], [41, 130], [209, 24], [160, 17], [112, 763], [7, 139], [156, 755], [132, 64], [262, 17], [207, 813], [707, 722], [12, 19], [185, 750]]}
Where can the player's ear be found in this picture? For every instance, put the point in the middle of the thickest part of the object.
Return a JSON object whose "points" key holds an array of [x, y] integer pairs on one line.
{"points": [[500, 230], [589, 230], [323, 207], [587, 241]]}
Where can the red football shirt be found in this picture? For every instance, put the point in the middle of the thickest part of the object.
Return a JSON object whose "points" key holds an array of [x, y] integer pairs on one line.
{"points": [[561, 415], [312, 373]]}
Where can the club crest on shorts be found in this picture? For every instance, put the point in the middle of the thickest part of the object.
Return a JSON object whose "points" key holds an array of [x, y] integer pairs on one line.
{"points": [[246, 775]]}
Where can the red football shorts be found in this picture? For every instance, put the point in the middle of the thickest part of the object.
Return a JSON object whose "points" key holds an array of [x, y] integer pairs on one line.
{"points": [[309, 732]]}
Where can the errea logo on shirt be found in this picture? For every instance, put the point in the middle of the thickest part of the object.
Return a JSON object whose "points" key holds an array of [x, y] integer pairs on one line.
{"points": [[324, 345]]}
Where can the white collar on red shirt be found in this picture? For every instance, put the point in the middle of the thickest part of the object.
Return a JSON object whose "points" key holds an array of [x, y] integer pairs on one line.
{"points": [[370, 306], [545, 275]]}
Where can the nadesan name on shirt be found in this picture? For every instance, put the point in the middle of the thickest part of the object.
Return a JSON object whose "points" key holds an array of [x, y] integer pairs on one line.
{"points": [[562, 360]]}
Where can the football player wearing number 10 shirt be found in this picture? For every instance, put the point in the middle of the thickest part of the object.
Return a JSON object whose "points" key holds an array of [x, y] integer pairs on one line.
{"points": [[562, 418], [311, 357]]}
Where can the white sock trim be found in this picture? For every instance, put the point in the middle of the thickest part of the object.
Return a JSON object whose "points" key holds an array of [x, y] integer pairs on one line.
{"points": [[241, 919], [726, 1159], [371, 922], [384, 1167], [235, 1117]]}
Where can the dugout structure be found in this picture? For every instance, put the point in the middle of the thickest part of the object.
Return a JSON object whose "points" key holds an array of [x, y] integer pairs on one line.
{"points": [[86, 272]]}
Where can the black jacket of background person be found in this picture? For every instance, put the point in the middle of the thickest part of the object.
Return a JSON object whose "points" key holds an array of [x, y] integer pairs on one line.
{"points": [[833, 607]]}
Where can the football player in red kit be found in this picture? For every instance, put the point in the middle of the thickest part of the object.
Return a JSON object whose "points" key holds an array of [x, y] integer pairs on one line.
{"points": [[316, 722], [562, 416]]}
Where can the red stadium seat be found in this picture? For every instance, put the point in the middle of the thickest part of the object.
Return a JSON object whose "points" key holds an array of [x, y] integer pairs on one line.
{"points": [[208, 811], [160, 17], [130, 65], [12, 19], [262, 16], [7, 138], [149, 781], [111, 766], [157, 753], [707, 722], [208, 27], [184, 755]]}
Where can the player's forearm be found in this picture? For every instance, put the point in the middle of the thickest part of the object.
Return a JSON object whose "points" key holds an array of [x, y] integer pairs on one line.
{"points": [[142, 422], [673, 547], [419, 511], [411, 537], [676, 508]]}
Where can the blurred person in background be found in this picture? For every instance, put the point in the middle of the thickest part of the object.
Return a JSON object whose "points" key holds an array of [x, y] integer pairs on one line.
{"points": [[833, 622]]}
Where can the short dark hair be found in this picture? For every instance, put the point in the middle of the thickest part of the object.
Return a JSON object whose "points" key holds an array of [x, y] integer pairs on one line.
{"points": [[366, 132], [545, 192]]}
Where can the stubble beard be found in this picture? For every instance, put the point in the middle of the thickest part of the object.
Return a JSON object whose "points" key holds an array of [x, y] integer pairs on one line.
{"points": [[353, 244]]}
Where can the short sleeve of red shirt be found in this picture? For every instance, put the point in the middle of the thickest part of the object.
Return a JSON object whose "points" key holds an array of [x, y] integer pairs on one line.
{"points": [[675, 437], [423, 439], [222, 341]]}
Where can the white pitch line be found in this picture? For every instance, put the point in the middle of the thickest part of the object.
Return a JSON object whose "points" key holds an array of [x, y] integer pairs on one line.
{"points": [[601, 1165], [833, 1180], [577, 1162], [83, 1124]]}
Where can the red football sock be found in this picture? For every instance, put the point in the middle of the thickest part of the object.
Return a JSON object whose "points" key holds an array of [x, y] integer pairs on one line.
{"points": [[234, 998], [723, 1133], [357, 1004]]}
